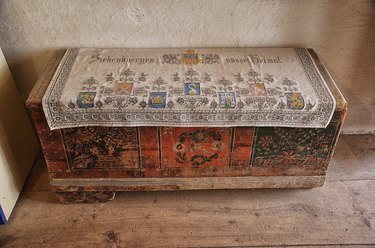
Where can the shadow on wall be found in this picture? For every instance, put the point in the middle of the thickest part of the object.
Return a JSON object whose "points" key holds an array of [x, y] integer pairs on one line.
{"points": [[26, 69], [16, 133], [362, 94], [351, 51]]}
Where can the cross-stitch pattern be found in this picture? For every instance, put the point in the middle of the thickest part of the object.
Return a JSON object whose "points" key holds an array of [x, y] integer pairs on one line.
{"points": [[191, 87]]}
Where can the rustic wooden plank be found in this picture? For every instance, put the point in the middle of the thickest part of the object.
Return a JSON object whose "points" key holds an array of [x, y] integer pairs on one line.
{"points": [[154, 184], [52, 144], [209, 171], [340, 213]]}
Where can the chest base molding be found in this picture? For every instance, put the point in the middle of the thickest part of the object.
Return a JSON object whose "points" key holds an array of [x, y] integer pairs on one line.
{"points": [[156, 184]]}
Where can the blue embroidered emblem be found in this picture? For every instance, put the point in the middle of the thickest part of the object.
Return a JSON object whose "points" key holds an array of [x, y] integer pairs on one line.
{"points": [[86, 99], [227, 100], [192, 89], [157, 99]]}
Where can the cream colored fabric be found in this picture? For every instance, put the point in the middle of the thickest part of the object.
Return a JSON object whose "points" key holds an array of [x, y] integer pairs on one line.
{"points": [[18, 143], [188, 87]]}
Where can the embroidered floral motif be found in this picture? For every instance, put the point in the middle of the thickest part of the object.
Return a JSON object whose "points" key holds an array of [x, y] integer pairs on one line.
{"points": [[170, 104], [207, 77], [90, 82], [71, 105], [192, 102], [141, 91], [191, 75], [261, 102], [171, 59], [214, 104], [143, 104], [225, 84], [121, 102], [210, 58]]}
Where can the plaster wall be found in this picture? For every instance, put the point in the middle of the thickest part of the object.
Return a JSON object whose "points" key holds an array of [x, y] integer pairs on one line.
{"points": [[342, 32]]}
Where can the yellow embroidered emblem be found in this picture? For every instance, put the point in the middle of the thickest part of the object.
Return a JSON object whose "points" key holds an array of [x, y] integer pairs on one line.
{"points": [[190, 57], [295, 100]]}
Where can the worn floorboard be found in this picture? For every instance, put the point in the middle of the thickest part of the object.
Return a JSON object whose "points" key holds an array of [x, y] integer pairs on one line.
{"points": [[340, 214]]}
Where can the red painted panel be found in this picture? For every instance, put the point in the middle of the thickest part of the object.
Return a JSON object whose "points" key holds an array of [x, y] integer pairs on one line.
{"points": [[195, 147], [242, 146], [149, 142]]}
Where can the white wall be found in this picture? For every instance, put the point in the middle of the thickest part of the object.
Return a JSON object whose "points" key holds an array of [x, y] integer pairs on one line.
{"points": [[342, 32]]}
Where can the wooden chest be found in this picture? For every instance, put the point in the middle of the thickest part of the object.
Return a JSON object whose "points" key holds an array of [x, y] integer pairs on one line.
{"points": [[89, 164]]}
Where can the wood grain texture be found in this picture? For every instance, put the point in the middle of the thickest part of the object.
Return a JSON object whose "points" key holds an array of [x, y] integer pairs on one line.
{"points": [[340, 214], [149, 142], [155, 184], [85, 196], [242, 146], [51, 142]]}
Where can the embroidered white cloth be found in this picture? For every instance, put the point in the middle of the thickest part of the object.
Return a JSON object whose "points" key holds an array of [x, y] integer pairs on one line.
{"points": [[189, 88]]}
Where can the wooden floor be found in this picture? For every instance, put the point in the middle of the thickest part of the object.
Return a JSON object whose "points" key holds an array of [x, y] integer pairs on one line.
{"points": [[342, 213]]}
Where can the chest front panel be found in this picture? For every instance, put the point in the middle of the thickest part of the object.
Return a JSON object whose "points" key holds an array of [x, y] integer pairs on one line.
{"points": [[101, 147]]}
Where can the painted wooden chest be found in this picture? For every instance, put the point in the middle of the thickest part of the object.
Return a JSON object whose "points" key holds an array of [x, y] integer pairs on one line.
{"points": [[91, 163]]}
